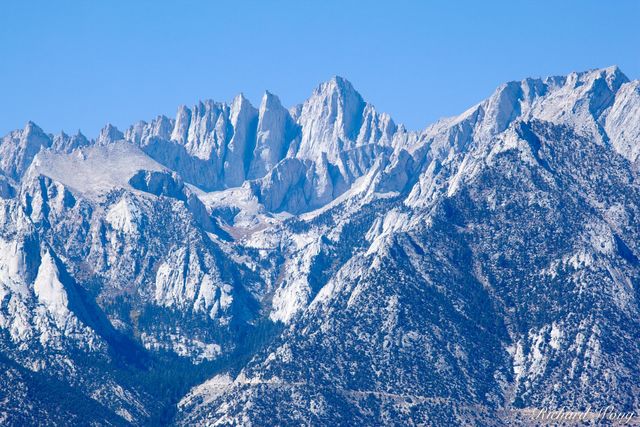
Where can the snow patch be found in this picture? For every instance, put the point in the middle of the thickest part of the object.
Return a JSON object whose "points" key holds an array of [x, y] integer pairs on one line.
{"points": [[50, 291], [124, 216]]}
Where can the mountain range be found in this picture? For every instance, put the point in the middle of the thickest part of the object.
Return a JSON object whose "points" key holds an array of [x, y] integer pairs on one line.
{"points": [[323, 265]]}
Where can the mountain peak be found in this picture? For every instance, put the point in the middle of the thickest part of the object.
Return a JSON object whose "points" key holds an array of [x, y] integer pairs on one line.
{"points": [[613, 76], [337, 84], [270, 100], [341, 81], [614, 71], [109, 134], [30, 128], [240, 100]]}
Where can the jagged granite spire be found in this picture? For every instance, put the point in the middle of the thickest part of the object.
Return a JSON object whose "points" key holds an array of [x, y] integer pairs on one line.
{"points": [[109, 134]]}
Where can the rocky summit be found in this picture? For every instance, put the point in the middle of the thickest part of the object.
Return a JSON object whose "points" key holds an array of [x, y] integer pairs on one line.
{"points": [[322, 265]]}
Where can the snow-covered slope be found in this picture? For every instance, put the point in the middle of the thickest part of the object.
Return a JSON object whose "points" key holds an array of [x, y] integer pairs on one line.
{"points": [[322, 265]]}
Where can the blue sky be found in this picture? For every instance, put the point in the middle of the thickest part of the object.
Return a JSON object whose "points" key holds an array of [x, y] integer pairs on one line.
{"points": [[80, 64]]}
